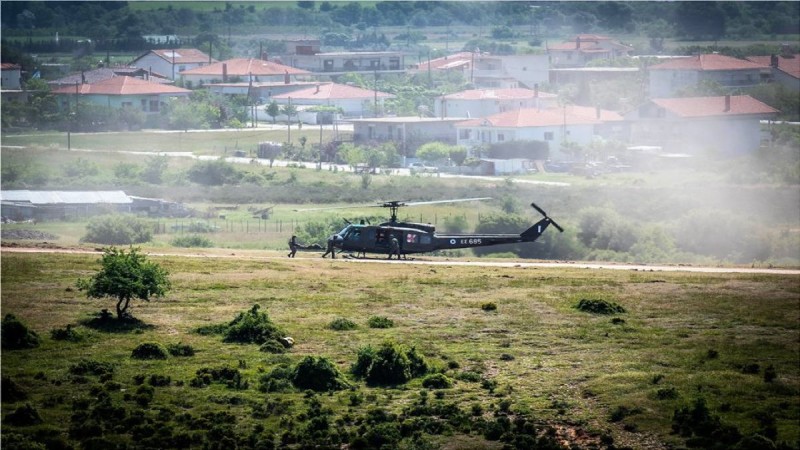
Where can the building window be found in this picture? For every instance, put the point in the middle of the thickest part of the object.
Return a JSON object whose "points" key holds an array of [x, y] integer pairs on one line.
{"points": [[501, 137], [371, 132], [154, 105], [548, 135], [464, 133], [144, 105]]}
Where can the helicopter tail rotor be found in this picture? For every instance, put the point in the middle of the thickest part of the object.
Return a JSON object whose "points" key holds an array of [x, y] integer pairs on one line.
{"points": [[542, 212]]}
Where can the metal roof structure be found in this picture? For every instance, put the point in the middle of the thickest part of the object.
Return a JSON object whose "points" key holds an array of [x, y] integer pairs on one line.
{"points": [[65, 197]]}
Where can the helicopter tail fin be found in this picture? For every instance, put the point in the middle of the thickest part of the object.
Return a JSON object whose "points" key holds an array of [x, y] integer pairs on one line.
{"points": [[533, 233]]}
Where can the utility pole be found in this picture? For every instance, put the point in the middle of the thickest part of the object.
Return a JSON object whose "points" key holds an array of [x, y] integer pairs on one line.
{"points": [[376, 92]]}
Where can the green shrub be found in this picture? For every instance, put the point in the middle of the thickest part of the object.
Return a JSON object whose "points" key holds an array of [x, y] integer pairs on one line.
{"points": [[437, 381], [66, 334], [25, 415], [751, 368], [11, 391], [192, 240], [272, 346], [227, 376], [342, 324], [120, 229], [668, 393], [490, 306], [156, 380], [252, 327], [770, 374], [91, 367], [599, 306], [278, 380], [180, 349], [317, 374], [380, 322], [472, 377], [15, 335], [149, 350], [390, 364]]}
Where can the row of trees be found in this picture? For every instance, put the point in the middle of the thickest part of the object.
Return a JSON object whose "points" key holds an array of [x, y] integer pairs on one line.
{"points": [[692, 20]]}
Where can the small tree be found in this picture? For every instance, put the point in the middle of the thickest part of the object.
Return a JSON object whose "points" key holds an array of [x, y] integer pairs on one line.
{"points": [[273, 110], [126, 276]]}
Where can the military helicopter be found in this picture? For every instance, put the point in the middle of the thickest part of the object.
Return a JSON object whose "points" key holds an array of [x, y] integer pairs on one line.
{"points": [[422, 238]]}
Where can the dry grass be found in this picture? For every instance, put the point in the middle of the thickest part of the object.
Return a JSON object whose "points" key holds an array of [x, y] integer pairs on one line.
{"points": [[567, 366]]}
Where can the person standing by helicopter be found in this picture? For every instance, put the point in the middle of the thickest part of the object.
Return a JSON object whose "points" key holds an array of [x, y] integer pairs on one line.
{"points": [[331, 248], [394, 247], [292, 246]]}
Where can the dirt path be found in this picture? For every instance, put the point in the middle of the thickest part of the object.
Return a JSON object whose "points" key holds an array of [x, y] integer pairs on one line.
{"points": [[430, 261]]}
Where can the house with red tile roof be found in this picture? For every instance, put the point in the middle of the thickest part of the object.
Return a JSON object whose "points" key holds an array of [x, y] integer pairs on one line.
{"points": [[172, 62], [724, 125], [555, 126], [121, 92], [487, 71], [668, 78], [241, 69], [485, 102], [584, 48], [353, 101], [104, 73], [785, 69]]}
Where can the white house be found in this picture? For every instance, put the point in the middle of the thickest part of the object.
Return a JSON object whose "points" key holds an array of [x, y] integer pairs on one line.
{"points": [[585, 48], [485, 102], [489, 71], [726, 125], [555, 126], [407, 132], [667, 78], [171, 62], [121, 92], [242, 69], [785, 69], [11, 76], [353, 101]]}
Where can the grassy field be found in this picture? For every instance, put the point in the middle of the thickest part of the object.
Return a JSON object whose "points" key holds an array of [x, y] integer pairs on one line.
{"points": [[199, 142], [683, 337]]}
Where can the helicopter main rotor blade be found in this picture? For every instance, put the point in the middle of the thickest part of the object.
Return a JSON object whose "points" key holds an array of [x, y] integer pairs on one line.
{"points": [[433, 202]]}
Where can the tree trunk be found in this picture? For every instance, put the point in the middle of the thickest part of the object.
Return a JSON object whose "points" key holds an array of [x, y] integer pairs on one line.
{"points": [[122, 308]]}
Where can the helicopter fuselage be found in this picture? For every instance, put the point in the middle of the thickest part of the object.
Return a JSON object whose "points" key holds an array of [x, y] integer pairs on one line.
{"points": [[421, 238]]}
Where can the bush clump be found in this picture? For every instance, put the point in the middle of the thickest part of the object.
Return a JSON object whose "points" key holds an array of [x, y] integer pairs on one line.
{"points": [[277, 380], [25, 415], [437, 381], [118, 229], [192, 240], [252, 327], [595, 306], [342, 324], [66, 334], [380, 322], [489, 306], [91, 367], [180, 349], [273, 347], [15, 335], [390, 364], [317, 374], [11, 391], [149, 350], [228, 376]]}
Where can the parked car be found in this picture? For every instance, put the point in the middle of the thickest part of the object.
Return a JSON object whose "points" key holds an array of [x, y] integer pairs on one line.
{"points": [[419, 167]]}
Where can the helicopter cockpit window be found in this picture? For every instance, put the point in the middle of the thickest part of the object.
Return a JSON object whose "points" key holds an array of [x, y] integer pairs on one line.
{"points": [[353, 234]]}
